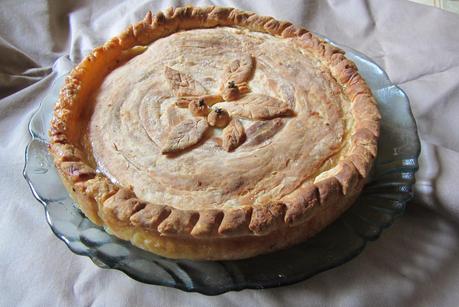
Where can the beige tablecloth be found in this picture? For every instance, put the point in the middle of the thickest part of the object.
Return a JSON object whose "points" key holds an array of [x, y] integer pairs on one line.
{"points": [[415, 262]]}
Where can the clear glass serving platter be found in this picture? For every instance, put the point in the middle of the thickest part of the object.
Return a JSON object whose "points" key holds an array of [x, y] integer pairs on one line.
{"points": [[383, 199]]}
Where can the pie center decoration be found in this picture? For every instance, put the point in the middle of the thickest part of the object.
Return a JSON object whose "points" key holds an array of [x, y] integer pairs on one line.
{"points": [[233, 88]]}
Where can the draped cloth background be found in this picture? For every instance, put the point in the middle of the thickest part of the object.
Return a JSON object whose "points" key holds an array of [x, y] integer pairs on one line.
{"points": [[415, 262]]}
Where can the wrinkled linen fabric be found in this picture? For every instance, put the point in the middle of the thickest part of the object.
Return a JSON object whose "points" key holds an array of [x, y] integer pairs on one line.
{"points": [[414, 263]]}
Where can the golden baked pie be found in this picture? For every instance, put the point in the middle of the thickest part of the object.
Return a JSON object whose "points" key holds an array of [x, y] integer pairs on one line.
{"points": [[214, 133]]}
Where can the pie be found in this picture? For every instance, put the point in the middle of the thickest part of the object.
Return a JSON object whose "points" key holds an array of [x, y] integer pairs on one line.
{"points": [[214, 133]]}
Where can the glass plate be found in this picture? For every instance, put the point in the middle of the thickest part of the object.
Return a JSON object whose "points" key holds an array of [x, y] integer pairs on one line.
{"points": [[383, 199]]}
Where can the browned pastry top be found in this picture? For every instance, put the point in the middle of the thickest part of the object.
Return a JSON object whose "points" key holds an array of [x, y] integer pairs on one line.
{"points": [[293, 118]]}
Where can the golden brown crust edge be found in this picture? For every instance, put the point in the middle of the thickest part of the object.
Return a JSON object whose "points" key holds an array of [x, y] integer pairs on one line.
{"points": [[115, 207]]}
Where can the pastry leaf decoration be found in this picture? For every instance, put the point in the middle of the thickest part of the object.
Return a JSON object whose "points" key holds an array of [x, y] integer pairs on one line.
{"points": [[259, 107], [233, 135], [261, 131], [234, 88], [182, 84], [184, 135], [238, 71]]}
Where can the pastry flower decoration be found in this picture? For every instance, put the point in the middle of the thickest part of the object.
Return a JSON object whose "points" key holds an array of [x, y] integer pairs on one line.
{"points": [[233, 88]]}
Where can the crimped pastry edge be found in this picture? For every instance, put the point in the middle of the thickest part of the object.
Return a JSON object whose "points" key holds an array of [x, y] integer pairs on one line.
{"points": [[118, 207]]}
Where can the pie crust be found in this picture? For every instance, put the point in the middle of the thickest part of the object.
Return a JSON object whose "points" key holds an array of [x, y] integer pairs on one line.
{"points": [[214, 133]]}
